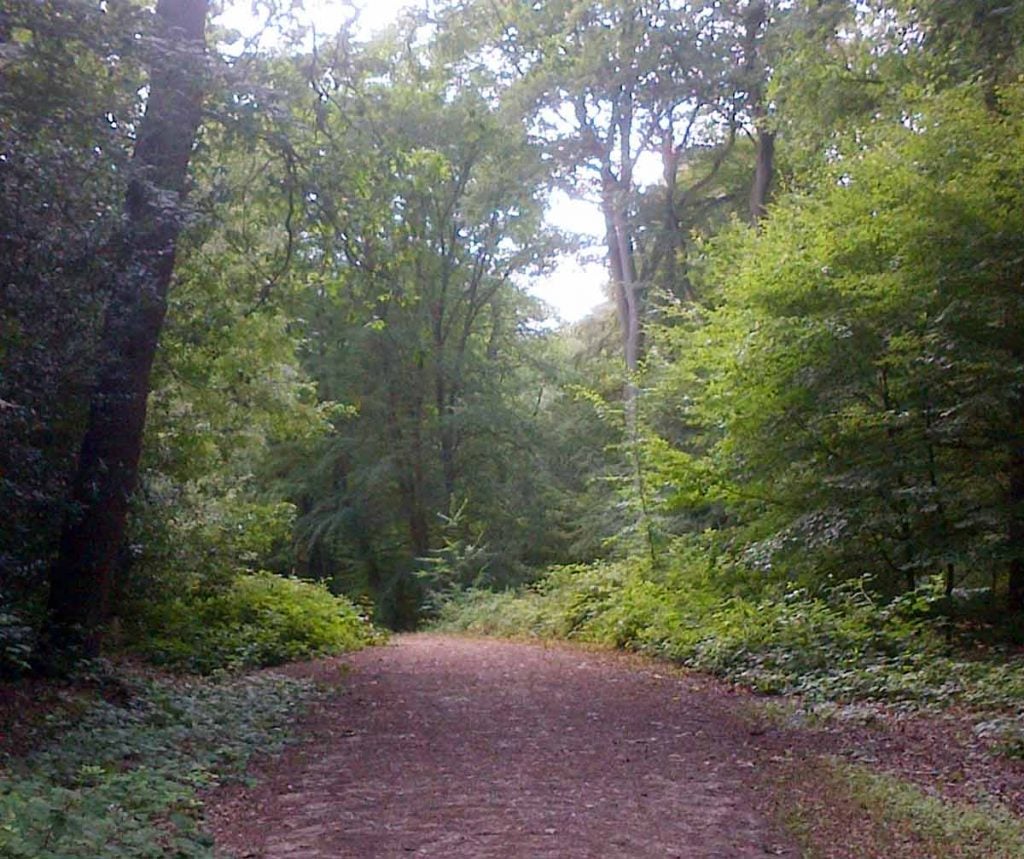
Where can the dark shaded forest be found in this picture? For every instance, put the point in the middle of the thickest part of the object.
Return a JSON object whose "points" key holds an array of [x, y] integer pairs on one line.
{"points": [[266, 310]]}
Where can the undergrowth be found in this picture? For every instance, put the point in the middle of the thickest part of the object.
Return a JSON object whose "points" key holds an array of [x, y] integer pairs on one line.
{"points": [[257, 620], [840, 645], [125, 780]]}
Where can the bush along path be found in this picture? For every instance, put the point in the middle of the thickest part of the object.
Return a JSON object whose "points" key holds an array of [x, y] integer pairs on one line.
{"points": [[112, 761], [448, 747]]}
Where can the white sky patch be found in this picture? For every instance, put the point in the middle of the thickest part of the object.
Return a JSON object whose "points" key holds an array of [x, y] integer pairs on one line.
{"points": [[577, 285], [575, 215], [648, 170], [326, 16], [573, 289]]}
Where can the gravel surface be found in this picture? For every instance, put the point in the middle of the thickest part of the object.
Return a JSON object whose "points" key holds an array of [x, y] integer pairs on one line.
{"points": [[453, 747]]}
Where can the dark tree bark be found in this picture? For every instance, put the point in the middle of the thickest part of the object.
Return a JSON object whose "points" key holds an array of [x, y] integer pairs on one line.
{"points": [[93, 531], [764, 169], [756, 19], [1015, 499]]}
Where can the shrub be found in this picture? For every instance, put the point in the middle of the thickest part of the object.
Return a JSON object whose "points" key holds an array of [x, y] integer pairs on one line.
{"points": [[506, 613], [838, 645], [260, 619]]}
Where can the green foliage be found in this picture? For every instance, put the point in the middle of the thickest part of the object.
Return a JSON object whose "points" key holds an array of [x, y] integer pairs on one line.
{"points": [[125, 781], [852, 385], [227, 389], [184, 538], [350, 355], [67, 114], [840, 646], [225, 381], [258, 619], [425, 212]]}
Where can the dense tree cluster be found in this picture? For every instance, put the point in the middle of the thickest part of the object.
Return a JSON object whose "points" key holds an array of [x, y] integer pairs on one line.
{"points": [[311, 263]]}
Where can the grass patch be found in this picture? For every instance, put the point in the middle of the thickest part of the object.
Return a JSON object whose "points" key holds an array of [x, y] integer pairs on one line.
{"points": [[124, 779], [839, 810]]}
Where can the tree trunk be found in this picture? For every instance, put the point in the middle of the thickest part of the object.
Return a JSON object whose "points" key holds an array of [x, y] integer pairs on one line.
{"points": [[1015, 592], [756, 19], [623, 277], [624, 285], [80, 577], [764, 169], [446, 438]]}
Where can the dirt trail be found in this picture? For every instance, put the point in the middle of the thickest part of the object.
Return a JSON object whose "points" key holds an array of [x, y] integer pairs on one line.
{"points": [[452, 747]]}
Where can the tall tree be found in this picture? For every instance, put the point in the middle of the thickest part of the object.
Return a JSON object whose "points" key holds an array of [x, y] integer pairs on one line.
{"points": [[423, 207], [69, 105], [609, 82], [80, 577], [755, 21], [856, 379]]}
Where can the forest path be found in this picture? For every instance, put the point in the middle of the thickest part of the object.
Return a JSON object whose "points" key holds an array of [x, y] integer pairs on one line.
{"points": [[454, 747]]}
